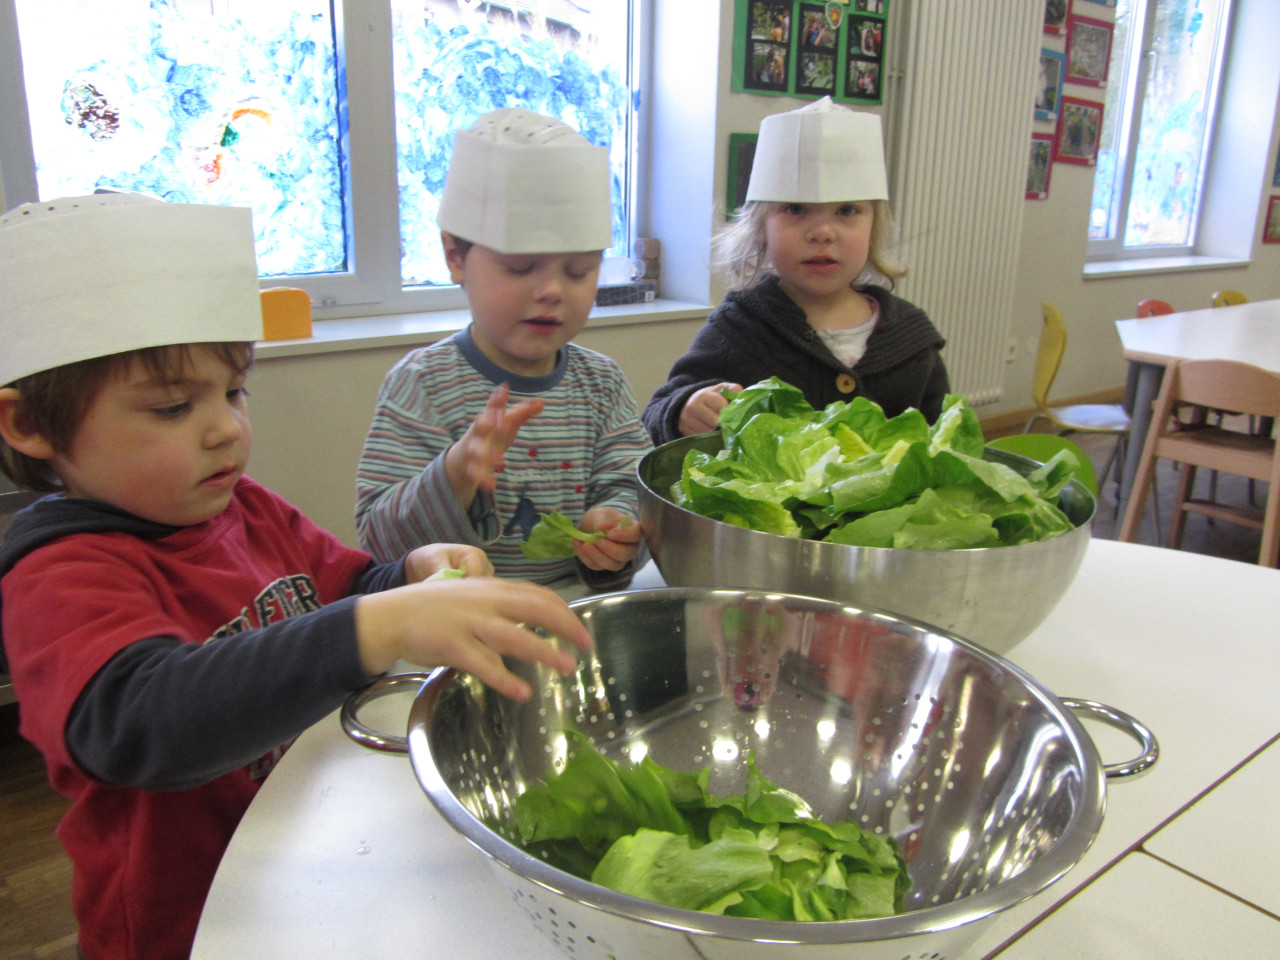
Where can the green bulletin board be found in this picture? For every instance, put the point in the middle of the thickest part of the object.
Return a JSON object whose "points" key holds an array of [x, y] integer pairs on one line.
{"points": [[810, 48]]}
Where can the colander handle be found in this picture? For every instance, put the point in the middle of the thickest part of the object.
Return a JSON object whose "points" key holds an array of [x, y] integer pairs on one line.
{"points": [[1124, 722], [365, 735]]}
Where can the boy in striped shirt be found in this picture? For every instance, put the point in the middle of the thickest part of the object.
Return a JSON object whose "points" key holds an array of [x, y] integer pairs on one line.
{"points": [[476, 437]]}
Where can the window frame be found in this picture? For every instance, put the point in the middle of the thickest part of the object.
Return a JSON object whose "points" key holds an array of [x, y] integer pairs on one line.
{"points": [[1134, 82], [371, 284]]}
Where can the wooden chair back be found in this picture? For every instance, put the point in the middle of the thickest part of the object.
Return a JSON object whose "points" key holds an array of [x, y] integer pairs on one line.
{"points": [[1222, 385]]}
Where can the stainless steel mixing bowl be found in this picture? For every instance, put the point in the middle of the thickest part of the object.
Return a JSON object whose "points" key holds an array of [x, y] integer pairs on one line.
{"points": [[994, 596], [987, 781]]}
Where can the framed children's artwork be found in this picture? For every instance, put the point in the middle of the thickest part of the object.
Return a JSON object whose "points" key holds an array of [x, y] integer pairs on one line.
{"points": [[810, 48], [1039, 166], [1275, 177], [1079, 127], [1053, 67], [742, 153], [1271, 228], [1055, 16], [1088, 50]]}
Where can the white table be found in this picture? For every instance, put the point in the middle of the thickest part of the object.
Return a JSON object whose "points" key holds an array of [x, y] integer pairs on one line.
{"points": [[341, 855], [1247, 332]]}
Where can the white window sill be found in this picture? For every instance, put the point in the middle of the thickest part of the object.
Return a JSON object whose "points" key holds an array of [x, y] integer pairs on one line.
{"points": [[415, 329], [1106, 269]]}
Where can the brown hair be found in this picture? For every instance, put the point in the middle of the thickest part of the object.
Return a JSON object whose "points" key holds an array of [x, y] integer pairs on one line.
{"points": [[53, 402]]}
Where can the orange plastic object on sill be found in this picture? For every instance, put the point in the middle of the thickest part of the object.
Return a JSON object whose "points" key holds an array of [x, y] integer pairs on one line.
{"points": [[286, 313]]}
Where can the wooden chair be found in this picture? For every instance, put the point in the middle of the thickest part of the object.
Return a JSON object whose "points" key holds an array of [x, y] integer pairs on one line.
{"points": [[1263, 425], [1108, 418], [1220, 384]]}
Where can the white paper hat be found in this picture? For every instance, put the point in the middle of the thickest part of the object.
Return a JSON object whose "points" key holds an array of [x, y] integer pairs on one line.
{"points": [[520, 182], [820, 153], [85, 277]]}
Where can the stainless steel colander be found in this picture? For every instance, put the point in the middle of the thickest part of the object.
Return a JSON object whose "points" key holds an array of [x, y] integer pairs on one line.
{"points": [[988, 781]]}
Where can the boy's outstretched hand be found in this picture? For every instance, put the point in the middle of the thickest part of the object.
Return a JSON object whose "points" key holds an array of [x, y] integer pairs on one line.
{"points": [[469, 623], [617, 547], [701, 412], [425, 562], [470, 464]]}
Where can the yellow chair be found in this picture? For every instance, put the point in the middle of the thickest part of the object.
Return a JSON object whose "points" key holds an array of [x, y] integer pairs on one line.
{"points": [[1214, 384], [1043, 446], [1108, 418], [1229, 298]]}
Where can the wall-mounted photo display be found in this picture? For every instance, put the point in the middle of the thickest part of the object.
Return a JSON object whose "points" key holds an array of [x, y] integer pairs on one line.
{"points": [[768, 46], [1271, 227], [1053, 67], [1088, 50], [810, 48], [1079, 127], [866, 54], [1055, 16], [817, 52], [1039, 165]]}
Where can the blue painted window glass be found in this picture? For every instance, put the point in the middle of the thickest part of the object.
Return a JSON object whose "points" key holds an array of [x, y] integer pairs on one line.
{"points": [[238, 102], [457, 60], [1166, 62], [194, 107]]}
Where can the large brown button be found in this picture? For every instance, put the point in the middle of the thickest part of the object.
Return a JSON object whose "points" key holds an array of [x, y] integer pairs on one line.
{"points": [[845, 383]]}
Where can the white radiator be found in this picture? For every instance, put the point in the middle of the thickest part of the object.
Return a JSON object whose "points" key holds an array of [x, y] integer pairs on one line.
{"points": [[960, 91]]}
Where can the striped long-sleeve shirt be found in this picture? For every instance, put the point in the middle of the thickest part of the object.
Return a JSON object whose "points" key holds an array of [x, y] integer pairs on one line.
{"points": [[580, 452]]}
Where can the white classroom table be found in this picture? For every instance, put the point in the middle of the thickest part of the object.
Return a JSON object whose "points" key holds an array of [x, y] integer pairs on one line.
{"points": [[342, 855], [1247, 332]]}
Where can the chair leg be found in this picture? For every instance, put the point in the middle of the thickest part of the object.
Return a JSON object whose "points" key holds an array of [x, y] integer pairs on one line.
{"points": [[1178, 522], [1143, 483]]}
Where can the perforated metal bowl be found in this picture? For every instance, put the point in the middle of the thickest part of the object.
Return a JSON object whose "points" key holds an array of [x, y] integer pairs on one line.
{"points": [[994, 596], [987, 781]]}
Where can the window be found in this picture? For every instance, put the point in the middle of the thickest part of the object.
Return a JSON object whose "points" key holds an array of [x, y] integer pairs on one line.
{"points": [[332, 119], [1154, 151]]}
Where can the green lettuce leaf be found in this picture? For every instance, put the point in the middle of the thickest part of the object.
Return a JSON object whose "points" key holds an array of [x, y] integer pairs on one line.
{"points": [[850, 475], [552, 537], [657, 833]]}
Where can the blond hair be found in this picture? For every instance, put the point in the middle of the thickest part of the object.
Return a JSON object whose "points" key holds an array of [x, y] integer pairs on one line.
{"points": [[739, 251]]}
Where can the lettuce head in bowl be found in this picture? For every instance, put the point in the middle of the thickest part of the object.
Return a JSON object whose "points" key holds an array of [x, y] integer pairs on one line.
{"points": [[918, 519]]}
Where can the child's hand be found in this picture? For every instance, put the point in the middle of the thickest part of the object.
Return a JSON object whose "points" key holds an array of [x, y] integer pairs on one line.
{"points": [[426, 561], [468, 623], [470, 464], [617, 547], [701, 413]]}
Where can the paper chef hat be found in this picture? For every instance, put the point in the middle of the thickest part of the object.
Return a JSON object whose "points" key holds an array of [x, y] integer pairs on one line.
{"points": [[820, 153], [520, 182], [85, 277]]}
